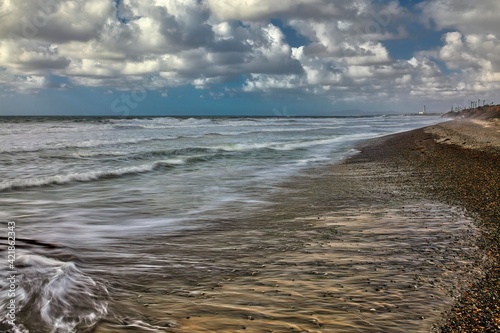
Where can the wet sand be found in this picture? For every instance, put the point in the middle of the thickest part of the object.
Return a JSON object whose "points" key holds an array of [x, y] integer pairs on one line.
{"points": [[383, 270], [395, 239], [460, 164]]}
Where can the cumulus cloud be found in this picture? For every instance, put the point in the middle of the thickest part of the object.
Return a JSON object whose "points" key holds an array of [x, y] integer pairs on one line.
{"points": [[249, 10], [27, 57], [28, 84], [54, 21], [476, 55], [139, 44], [179, 42], [469, 17], [473, 48], [344, 48]]}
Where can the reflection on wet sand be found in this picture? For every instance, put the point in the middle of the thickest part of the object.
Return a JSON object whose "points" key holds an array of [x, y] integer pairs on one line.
{"points": [[379, 270]]}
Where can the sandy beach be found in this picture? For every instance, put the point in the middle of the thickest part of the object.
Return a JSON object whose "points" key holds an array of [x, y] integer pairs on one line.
{"points": [[423, 203]]}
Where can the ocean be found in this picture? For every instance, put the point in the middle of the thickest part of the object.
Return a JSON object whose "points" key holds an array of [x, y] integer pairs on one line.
{"points": [[90, 197]]}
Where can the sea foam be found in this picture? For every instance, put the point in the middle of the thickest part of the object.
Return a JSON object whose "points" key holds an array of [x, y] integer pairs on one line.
{"points": [[53, 295]]}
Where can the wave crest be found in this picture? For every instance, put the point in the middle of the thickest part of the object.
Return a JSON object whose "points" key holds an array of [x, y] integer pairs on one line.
{"points": [[86, 176]]}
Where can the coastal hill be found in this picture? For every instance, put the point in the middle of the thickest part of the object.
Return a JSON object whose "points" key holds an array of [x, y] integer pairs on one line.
{"points": [[481, 113]]}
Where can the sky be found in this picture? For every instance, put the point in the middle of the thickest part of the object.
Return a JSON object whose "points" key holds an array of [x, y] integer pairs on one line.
{"points": [[246, 57]]}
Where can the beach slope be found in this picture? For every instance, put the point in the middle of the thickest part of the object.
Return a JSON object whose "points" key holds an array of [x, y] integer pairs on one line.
{"points": [[457, 162]]}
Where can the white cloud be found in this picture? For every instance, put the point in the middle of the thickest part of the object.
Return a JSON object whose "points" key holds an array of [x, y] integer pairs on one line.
{"points": [[26, 84], [54, 21], [474, 47], [343, 50], [254, 10], [174, 40], [28, 57], [165, 43], [469, 17], [477, 55], [263, 82]]}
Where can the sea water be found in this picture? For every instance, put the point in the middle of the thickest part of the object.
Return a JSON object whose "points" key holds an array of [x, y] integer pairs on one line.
{"points": [[86, 191]]}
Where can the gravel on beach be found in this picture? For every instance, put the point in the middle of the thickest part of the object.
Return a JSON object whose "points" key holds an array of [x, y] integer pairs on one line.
{"points": [[457, 162]]}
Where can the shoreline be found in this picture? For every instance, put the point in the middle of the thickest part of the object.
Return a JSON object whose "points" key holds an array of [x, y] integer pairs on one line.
{"points": [[458, 162], [368, 244], [383, 241]]}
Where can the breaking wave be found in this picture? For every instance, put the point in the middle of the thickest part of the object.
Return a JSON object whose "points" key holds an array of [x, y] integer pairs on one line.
{"points": [[87, 176], [52, 296]]}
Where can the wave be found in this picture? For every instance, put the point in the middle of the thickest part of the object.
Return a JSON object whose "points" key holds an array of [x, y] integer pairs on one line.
{"points": [[90, 154], [90, 175], [236, 147], [48, 288], [53, 146], [167, 158], [307, 144], [173, 122], [287, 146], [98, 143], [141, 155], [161, 123], [275, 129], [83, 144], [103, 174], [295, 145]]}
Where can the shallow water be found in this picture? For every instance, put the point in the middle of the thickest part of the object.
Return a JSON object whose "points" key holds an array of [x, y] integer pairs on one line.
{"points": [[140, 223], [385, 270]]}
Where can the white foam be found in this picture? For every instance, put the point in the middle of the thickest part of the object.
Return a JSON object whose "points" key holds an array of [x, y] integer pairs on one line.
{"points": [[293, 145], [53, 295], [87, 154], [87, 176], [245, 146], [145, 327], [11, 147]]}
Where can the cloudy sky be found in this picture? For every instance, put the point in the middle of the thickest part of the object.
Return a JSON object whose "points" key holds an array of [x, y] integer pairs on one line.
{"points": [[251, 57]]}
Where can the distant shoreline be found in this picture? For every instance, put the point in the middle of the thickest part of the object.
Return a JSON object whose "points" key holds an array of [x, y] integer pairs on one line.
{"points": [[4, 118]]}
